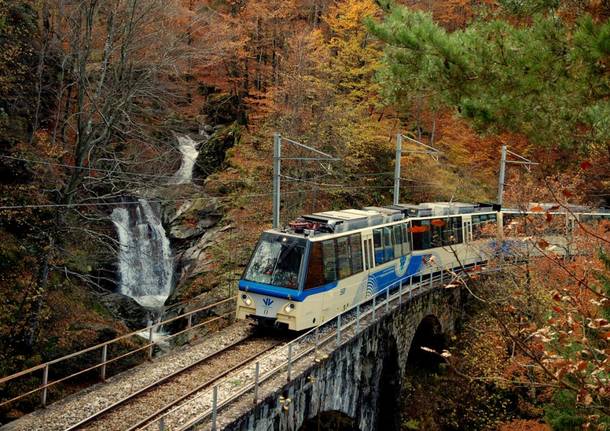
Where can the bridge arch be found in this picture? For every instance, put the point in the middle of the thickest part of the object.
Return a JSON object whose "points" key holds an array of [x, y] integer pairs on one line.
{"points": [[429, 334]]}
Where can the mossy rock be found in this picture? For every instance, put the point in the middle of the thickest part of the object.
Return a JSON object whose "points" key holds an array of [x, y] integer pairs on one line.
{"points": [[212, 154]]}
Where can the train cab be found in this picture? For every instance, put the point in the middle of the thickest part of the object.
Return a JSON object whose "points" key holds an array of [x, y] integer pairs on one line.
{"points": [[272, 283]]}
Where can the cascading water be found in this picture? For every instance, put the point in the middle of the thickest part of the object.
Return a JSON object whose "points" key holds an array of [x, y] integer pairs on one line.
{"points": [[146, 264], [188, 148]]}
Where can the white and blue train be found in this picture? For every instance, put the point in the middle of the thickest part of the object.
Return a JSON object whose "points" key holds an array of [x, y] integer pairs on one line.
{"points": [[324, 263]]}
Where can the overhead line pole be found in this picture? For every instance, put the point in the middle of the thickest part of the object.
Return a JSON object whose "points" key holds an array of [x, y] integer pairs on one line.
{"points": [[397, 169], [277, 160], [503, 162], [277, 169], [501, 176], [428, 149]]}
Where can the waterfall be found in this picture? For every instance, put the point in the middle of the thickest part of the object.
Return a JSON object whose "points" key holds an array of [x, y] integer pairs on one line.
{"points": [[188, 148], [145, 259]]}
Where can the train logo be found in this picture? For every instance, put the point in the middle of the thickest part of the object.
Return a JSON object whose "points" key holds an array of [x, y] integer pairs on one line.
{"points": [[267, 302]]}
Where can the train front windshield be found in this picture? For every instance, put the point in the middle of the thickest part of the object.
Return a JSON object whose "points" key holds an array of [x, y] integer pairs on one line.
{"points": [[277, 261]]}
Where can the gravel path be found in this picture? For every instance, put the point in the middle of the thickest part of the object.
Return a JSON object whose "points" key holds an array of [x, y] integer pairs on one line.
{"points": [[73, 409]]}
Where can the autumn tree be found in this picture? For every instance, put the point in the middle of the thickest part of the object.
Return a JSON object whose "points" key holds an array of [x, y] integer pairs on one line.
{"points": [[533, 78]]}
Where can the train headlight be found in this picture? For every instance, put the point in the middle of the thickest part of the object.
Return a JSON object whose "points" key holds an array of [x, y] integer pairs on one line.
{"points": [[288, 308], [247, 300]]}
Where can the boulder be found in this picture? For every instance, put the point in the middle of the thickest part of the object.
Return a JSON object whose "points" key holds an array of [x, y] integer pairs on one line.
{"points": [[193, 218], [126, 309], [212, 153]]}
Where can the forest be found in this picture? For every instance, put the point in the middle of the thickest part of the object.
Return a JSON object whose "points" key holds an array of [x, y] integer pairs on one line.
{"points": [[95, 96]]}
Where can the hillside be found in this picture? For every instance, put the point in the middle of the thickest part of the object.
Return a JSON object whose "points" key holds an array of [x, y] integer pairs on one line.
{"points": [[100, 101]]}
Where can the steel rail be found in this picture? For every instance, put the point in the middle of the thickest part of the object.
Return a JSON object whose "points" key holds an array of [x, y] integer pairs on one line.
{"points": [[146, 421], [163, 380]]}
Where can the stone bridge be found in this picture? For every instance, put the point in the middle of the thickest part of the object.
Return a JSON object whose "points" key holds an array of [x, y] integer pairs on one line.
{"points": [[360, 381]]}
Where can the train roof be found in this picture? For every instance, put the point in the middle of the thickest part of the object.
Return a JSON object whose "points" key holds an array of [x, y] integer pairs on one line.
{"points": [[353, 219]]}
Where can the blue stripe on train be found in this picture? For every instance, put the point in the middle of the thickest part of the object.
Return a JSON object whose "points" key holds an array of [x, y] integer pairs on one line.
{"points": [[380, 279], [387, 276], [282, 292]]}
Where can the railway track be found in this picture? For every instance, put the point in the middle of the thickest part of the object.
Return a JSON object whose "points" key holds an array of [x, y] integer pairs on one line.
{"points": [[146, 404]]}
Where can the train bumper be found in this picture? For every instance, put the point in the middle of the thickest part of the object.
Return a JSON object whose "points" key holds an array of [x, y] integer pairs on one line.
{"points": [[289, 321], [243, 312]]}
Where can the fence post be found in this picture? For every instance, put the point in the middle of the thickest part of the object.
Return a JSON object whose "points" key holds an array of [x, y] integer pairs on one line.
{"points": [[400, 293], [214, 407], [45, 382], [338, 330], [151, 348], [358, 317], [162, 423], [316, 332], [387, 299], [374, 305], [256, 373], [410, 288], [289, 361], [104, 358], [190, 321]]}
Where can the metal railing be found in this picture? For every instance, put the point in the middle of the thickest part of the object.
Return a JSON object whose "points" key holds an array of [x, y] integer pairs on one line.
{"points": [[355, 317], [103, 348]]}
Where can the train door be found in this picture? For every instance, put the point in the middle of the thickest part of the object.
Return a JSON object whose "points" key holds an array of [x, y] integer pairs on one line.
{"points": [[467, 228], [369, 264], [367, 246]]}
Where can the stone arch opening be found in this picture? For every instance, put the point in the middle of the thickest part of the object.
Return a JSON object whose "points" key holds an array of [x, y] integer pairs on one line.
{"points": [[330, 421], [429, 334], [388, 400]]}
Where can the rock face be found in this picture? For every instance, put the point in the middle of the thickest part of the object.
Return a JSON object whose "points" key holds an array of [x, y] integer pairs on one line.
{"points": [[127, 309], [212, 153], [192, 218]]}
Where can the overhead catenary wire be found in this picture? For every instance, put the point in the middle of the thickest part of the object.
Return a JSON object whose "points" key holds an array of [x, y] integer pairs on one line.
{"points": [[159, 176], [125, 203]]}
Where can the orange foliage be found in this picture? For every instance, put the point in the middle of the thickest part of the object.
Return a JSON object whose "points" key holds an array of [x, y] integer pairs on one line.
{"points": [[524, 425]]}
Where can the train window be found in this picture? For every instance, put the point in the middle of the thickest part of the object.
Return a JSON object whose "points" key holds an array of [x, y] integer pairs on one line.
{"points": [[379, 258], [420, 229], [437, 230], [328, 258], [315, 269], [398, 240], [388, 244], [344, 266], [277, 261], [355, 242], [484, 226]]}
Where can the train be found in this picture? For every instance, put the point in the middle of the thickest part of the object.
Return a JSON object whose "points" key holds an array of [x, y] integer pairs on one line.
{"points": [[325, 263]]}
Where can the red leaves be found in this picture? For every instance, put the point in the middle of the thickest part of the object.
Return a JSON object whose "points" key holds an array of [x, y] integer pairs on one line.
{"points": [[543, 244], [537, 209], [567, 193], [549, 217], [584, 165]]}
